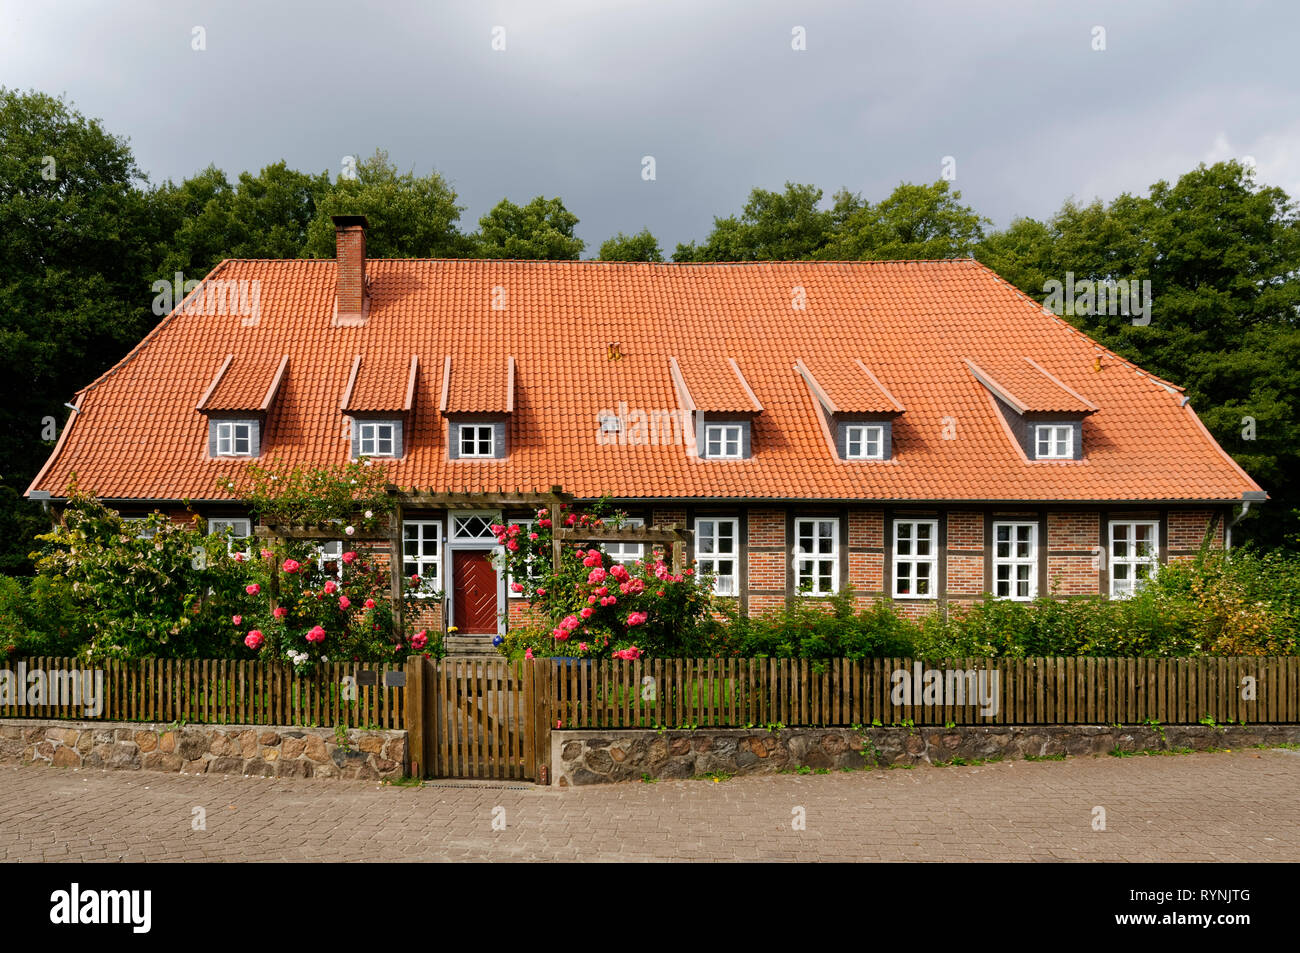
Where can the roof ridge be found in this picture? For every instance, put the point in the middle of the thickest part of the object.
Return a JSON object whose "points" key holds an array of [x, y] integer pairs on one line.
{"points": [[671, 264]]}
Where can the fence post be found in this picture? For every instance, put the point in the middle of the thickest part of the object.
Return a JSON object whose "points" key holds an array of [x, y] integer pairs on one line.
{"points": [[543, 712], [414, 716]]}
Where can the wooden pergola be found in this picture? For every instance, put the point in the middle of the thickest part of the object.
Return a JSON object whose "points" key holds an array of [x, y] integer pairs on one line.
{"points": [[676, 536]]}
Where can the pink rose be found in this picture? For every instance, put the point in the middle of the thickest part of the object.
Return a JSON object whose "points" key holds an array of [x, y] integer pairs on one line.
{"points": [[317, 634], [237, 619], [570, 622], [239, 557], [349, 558], [369, 603], [253, 640], [636, 618], [266, 554], [344, 602], [532, 536], [586, 612], [516, 587], [415, 579], [597, 575], [582, 646], [541, 592], [420, 640], [591, 600], [331, 587], [619, 572], [291, 565], [279, 612], [253, 589], [561, 635], [513, 545]]}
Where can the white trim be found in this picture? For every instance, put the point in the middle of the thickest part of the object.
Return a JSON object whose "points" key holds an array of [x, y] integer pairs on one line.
{"points": [[624, 556], [228, 435], [714, 557], [1054, 449], [798, 558], [242, 528], [931, 559], [1130, 561], [426, 531], [375, 439], [1013, 561], [477, 430], [864, 439], [724, 439]]}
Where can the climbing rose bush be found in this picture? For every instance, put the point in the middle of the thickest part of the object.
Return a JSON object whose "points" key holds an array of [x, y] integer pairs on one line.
{"points": [[594, 607]]}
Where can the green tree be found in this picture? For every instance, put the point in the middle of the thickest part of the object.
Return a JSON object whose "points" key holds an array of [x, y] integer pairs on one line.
{"points": [[410, 216], [922, 222], [542, 230], [642, 246], [76, 242], [773, 226]]}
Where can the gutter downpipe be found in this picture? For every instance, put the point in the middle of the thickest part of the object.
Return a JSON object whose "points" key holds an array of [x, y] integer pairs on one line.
{"points": [[1227, 533]]}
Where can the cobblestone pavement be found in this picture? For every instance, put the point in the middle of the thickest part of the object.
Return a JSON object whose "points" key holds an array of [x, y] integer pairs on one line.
{"points": [[1215, 806]]}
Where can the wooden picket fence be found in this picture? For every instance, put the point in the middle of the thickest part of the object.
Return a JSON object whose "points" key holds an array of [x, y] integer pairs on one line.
{"points": [[225, 691], [737, 693]]}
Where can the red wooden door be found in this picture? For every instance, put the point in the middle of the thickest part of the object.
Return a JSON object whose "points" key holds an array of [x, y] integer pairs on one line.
{"points": [[474, 592]]}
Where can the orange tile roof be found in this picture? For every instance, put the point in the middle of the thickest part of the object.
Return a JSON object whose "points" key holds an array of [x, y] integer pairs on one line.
{"points": [[249, 383], [380, 382], [915, 324], [715, 385], [1028, 387], [847, 386], [477, 384]]}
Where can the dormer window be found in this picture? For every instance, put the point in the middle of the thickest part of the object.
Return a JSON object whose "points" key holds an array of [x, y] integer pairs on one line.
{"points": [[476, 440], [377, 438], [724, 441], [864, 442], [1054, 441], [235, 438]]}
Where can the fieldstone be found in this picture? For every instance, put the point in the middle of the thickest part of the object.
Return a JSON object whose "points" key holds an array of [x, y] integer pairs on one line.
{"points": [[256, 767], [703, 743], [679, 746], [710, 762], [104, 736], [226, 765], [678, 768], [656, 751], [65, 757], [123, 734], [11, 732], [197, 766], [745, 758], [599, 761], [191, 744], [582, 776], [618, 752], [293, 769], [45, 750], [371, 743], [291, 748], [386, 767], [365, 772], [11, 749], [326, 769], [271, 754], [395, 748], [221, 746], [571, 751], [161, 761], [124, 754], [316, 750], [146, 741], [597, 742], [268, 738], [295, 734], [167, 742], [248, 744], [34, 734], [834, 744]]}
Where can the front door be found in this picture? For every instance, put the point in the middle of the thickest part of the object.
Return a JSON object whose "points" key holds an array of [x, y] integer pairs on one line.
{"points": [[474, 592]]}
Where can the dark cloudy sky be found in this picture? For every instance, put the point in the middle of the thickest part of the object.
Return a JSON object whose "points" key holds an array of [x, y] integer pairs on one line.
{"points": [[1013, 91]]}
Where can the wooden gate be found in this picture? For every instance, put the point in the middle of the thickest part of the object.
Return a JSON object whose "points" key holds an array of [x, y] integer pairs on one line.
{"points": [[479, 718]]}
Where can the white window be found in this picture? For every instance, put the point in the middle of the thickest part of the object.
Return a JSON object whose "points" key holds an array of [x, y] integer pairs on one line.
{"points": [[534, 569], [816, 555], [625, 553], [723, 441], [916, 558], [864, 442], [476, 440], [234, 438], [329, 558], [1054, 442], [1015, 561], [474, 526], [717, 552], [240, 530], [376, 439], [1134, 556], [422, 550], [141, 527]]}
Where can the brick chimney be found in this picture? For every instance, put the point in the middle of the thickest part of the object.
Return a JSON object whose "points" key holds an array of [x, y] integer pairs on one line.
{"points": [[352, 296]]}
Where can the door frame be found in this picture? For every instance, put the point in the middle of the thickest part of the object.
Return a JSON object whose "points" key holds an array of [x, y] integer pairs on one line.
{"points": [[481, 545]]}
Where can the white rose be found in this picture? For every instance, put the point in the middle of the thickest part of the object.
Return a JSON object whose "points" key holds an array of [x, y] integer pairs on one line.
{"points": [[349, 530]]}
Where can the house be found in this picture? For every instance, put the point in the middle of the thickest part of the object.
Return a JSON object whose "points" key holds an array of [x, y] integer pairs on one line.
{"points": [[920, 430]]}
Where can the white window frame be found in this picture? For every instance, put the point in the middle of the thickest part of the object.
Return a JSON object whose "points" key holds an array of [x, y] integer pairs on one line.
{"points": [[368, 433], [721, 434], [623, 552], [228, 438], [322, 555], [1014, 562], [707, 559], [913, 559], [1057, 449], [475, 433], [1130, 561], [428, 567], [487, 516], [817, 555], [242, 527], [534, 575], [862, 433]]}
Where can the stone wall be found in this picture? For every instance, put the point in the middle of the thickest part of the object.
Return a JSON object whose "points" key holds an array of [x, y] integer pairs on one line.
{"points": [[259, 750], [592, 757]]}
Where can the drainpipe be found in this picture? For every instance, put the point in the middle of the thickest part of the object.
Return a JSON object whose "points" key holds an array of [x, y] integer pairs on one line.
{"points": [[1227, 533]]}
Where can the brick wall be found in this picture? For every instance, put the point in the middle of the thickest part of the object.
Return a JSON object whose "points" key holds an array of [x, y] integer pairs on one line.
{"points": [[768, 556], [1187, 529], [1073, 531]]}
